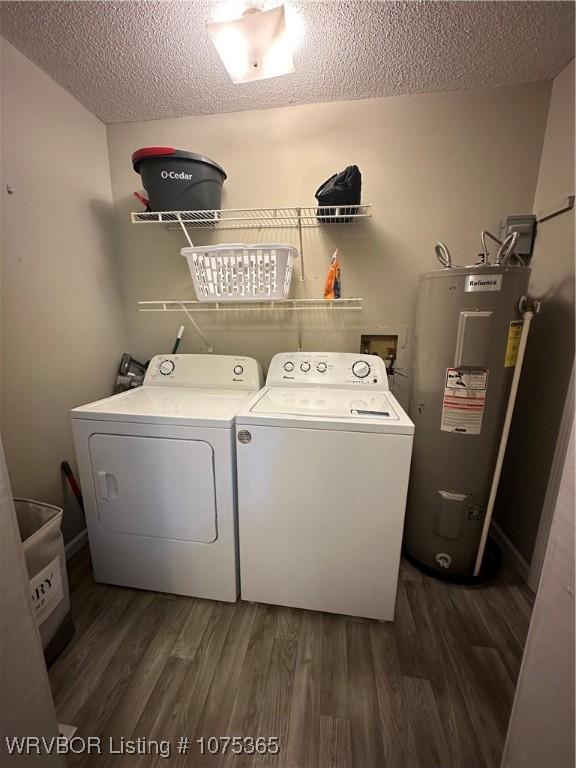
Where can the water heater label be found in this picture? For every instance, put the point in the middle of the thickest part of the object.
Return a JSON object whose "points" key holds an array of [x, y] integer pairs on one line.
{"points": [[464, 401], [513, 343], [482, 283]]}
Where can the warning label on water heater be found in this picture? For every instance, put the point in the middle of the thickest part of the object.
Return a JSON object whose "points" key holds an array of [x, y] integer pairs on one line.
{"points": [[513, 343], [464, 401]]}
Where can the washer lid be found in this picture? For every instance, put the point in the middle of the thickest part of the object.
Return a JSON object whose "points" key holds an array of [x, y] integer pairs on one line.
{"points": [[344, 409], [168, 405]]}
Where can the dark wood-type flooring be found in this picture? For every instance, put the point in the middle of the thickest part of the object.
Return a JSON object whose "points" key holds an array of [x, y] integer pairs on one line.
{"points": [[434, 688]]}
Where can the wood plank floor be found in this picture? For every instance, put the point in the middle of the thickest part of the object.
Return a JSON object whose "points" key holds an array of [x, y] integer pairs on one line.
{"points": [[431, 690]]}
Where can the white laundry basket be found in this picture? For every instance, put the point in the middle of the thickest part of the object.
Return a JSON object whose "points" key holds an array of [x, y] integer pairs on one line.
{"points": [[239, 272], [43, 548]]}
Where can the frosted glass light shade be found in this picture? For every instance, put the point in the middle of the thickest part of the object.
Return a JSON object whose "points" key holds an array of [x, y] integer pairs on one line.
{"points": [[254, 47]]}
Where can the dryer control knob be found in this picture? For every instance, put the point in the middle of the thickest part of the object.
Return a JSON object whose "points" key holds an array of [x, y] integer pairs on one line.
{"points": [[288, 367], [360, 369], [166, 367], [321, 367], [304, 367], [238, 370]]}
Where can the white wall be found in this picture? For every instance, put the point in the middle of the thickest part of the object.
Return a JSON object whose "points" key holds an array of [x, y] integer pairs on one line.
{"points": [[541, 731], [550, 350], [435, 166], [62, 325]]}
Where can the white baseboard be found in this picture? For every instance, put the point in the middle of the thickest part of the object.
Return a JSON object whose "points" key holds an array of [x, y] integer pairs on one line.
{"points": [[509, 549], [76, 544]]}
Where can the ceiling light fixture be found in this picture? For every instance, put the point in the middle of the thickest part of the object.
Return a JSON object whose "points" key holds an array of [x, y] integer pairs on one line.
{"points": [[254, 47]]}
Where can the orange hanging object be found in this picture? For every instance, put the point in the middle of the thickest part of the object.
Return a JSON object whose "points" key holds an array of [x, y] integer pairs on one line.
{"points": [[332, 285]]}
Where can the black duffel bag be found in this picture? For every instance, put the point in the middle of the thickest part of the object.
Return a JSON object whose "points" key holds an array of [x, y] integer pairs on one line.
{"points": [[342, 190]]}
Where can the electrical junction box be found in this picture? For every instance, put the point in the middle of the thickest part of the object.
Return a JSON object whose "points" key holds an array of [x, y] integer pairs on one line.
{"points": [[526, 226]]}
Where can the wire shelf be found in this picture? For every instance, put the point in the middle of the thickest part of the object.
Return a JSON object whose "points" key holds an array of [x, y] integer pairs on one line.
{"points": [[285, 305], [195, 309], [256, 218]]}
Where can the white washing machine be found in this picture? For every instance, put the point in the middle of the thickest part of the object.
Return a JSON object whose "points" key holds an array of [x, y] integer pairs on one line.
{"points": [[323, 458], [158, 473]]}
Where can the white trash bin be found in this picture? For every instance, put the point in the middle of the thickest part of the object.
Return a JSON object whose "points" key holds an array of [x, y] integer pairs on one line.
{"points": [[43, 547]]}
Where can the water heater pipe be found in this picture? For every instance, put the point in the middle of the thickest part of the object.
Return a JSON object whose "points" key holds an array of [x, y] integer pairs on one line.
{"points": [[527, 315]]}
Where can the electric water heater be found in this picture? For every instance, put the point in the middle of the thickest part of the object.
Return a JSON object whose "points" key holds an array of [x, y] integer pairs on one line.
{"points": [[467, 331]]}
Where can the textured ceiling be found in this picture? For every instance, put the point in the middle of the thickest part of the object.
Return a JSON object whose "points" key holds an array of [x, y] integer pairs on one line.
{"points": [[130, 61]]}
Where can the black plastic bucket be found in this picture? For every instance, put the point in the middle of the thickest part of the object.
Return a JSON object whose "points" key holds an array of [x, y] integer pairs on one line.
{"points": [[175, 180]]}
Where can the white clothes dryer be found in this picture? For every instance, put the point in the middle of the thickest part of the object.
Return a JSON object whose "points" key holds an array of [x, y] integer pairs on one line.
{"points": [[157, 468]]}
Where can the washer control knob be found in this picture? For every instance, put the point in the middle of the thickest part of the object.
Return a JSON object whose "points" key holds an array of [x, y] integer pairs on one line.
{"points": [[289, 366], [321, 367], [166, 367], [304, 367], [360, 369], [238, 370]]}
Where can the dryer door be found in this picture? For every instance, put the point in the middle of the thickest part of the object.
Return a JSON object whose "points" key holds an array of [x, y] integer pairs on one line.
{"points": [[155, 486]]}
